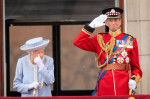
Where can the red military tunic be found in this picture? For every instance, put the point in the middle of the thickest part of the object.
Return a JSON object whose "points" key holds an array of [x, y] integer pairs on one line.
{"points": [[112, 82]]}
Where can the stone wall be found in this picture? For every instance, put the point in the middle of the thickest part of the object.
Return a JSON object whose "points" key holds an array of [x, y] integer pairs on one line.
{"points": [[138, 24]]}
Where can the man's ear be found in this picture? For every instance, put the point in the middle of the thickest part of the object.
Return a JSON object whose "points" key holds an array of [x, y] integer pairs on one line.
{"points": [[120, 22]]}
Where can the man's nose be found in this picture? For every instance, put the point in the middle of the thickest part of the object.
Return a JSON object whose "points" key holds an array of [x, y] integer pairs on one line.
{"points": [[113, 22]]}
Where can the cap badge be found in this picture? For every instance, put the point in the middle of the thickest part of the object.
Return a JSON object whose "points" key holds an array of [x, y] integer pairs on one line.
{"points": [[113, 11]]}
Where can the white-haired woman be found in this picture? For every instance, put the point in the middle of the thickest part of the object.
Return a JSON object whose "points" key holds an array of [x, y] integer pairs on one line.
{"points": [[35, 71]]}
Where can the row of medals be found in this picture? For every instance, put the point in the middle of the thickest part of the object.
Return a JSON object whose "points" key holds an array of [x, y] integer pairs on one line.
{"points": [[122, 58]]}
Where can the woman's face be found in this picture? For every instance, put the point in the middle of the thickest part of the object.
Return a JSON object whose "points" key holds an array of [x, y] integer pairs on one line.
{"points": [[113, 24], [36, 53]]}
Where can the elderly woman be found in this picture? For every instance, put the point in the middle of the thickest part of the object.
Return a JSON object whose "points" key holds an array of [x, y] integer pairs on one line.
{"points": [[35, 71]]}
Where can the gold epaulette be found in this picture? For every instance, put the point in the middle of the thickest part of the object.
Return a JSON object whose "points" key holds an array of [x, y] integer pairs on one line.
{"points": [[130, 35]]}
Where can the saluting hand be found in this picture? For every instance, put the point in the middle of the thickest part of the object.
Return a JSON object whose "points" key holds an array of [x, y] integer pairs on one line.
{"points": [[98, 21]]}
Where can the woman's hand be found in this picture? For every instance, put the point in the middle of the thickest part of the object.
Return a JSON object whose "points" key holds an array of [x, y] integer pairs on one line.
{"points": [[38, 61]]}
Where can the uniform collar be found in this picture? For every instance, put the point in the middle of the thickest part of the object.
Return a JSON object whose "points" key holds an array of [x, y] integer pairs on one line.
{"points": [[116, 33]]}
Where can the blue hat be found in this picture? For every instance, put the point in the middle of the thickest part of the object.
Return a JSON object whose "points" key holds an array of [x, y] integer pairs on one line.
{"points": [[113, 12], [34, 44]]}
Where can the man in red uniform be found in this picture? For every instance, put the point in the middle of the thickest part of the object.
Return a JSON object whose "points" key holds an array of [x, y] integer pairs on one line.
{"points": [[117, 54]]}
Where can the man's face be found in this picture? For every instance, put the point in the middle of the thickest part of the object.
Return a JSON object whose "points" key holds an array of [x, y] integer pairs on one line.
{"points": [[36, 53], [113, 24]]}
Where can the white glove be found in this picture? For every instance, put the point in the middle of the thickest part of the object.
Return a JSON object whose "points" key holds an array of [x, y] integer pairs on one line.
{"points": [[38, 61], [132, 84], [33, 85], [98, 21]]}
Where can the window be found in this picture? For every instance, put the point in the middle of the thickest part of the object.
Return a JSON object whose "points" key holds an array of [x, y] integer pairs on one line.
{"points": [[75, 69], [17, 37], [78, 68]]}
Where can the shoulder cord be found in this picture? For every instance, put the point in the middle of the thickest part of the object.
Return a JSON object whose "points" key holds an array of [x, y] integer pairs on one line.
{"points": [[108, 49]]}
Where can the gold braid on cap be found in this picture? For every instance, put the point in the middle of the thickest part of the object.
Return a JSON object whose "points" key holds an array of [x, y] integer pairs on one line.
{"points": [[108, 49]]}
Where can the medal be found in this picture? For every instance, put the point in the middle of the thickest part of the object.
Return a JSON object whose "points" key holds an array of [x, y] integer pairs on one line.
{"points": [[127, 60], [124, 54], [120, 60]]}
